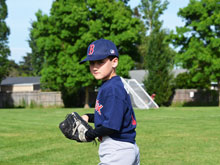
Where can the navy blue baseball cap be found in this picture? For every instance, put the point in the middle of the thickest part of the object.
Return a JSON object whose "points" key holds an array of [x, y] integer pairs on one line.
{"points": [[100, 49]]}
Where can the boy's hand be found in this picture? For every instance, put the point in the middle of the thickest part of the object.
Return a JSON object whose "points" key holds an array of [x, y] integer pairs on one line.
{"points": [[74, 127], [85, 117]]}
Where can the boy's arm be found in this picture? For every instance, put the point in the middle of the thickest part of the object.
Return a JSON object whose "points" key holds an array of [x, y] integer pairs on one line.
{"points": [[99, 131]]}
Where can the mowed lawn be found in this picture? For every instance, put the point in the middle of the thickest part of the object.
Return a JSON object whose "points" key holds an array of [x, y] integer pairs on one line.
{"points": [[165, 136]]}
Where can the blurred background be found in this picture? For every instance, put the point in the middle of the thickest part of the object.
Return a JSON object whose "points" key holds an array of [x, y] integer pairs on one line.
{"points": [[171, 48]]}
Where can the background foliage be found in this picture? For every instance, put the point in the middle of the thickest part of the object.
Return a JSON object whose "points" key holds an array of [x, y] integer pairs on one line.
{"points": [[4, 32], [59, 41], [199, 42], [159, 57]]}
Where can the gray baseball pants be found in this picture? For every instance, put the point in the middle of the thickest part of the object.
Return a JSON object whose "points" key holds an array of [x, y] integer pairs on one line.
{"points": [[113, 152]]}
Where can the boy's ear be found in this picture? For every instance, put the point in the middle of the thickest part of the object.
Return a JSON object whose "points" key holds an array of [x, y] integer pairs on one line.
{"points": [[115, 62]]}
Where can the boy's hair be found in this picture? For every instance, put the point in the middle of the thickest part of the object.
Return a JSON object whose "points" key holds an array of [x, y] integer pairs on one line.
{"points": [[112, 57]]}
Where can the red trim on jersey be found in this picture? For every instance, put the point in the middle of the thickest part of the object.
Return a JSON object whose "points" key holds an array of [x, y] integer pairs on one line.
{"points": [[133, 120]]}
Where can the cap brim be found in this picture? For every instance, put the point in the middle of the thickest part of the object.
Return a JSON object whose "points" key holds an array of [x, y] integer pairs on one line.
{"points": [[93, 58]]}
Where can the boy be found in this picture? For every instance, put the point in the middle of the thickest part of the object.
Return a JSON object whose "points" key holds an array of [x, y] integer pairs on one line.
{"points": [[114, 117]]}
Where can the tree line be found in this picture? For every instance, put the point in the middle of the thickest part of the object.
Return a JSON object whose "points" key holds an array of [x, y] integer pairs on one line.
{"points": [[59, 41]]}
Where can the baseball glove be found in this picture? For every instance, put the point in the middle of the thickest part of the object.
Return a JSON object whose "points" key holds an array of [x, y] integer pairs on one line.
{"points": [[74, 127]]}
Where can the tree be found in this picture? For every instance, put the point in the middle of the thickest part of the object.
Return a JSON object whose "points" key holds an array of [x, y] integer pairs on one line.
{"points": [[13, 69], [4, 32], [198, 41], [152, 10], [22, 69], [26, 67], [184, 81], [63, 37], [142, 47], [159, 56], [36, 58], [159, 62]]}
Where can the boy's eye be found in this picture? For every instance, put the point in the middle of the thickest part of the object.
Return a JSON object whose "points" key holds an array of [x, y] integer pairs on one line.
{"points": [[91, 62], [100, 61], [96, 62]]}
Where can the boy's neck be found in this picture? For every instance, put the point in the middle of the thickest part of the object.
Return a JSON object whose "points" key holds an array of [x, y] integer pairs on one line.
{"points": [[110, 77]]}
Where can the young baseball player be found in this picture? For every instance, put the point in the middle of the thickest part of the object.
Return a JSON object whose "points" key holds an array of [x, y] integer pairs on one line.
{"points": [[114, 116]]}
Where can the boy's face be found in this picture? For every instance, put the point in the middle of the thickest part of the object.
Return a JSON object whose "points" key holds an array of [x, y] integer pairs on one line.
{"points": [[103, 69]]}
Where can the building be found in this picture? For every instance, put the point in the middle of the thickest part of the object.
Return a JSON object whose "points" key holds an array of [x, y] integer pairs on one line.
{"points": [[20, 84], [140, 75]]}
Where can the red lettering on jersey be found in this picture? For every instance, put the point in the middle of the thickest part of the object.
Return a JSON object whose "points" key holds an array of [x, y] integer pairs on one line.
{"points": [[133, 120], [98, 107], [91, 49]]}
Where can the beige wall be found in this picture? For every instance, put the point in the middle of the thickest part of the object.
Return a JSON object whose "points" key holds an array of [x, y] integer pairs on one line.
{"points": [[37, 97], [18, 88], [195, 95]]}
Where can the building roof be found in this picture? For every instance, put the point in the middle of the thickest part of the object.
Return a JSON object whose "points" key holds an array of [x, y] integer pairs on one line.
{"points": [[20, 80], [139, 75]]}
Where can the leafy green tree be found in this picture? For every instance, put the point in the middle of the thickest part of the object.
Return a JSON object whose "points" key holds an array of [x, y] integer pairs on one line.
{"points": [[25, 66], [159, 56], [184, 81], [142, 47], [23, 69], [199, 41], [36, 57], [13, 69], [152, 10], [63, 37], [4, 32], [159, 62]]}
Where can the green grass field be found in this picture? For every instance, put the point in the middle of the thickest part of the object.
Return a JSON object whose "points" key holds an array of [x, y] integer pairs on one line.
{"points": [[165, 136]]}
